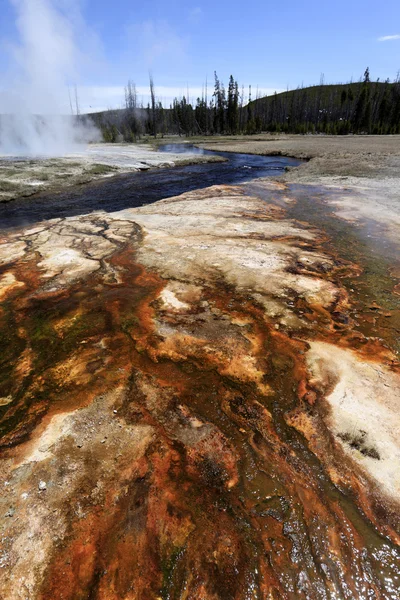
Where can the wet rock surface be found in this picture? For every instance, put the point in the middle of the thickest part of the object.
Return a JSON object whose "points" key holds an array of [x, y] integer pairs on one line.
{"points": [[193, 407]]}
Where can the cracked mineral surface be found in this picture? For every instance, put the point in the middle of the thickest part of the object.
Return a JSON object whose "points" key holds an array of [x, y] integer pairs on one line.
{"points": [[199, 399]]}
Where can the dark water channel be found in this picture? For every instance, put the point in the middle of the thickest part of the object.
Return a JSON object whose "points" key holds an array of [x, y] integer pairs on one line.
{"points": [[139, 188]]}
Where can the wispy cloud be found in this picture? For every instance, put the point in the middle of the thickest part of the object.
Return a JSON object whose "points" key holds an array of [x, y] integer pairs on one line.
{"points": [[389, 38], [195, 15], [156, 43]]}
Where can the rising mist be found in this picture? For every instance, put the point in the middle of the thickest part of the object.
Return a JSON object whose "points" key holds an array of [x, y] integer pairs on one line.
{"points": [[34, 117]]}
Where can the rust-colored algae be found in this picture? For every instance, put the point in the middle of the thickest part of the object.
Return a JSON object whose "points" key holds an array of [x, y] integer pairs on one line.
{"points": [[173, 437]]}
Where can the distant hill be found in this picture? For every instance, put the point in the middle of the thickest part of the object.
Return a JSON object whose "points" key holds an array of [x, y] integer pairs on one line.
{"points": [[363, 107]]}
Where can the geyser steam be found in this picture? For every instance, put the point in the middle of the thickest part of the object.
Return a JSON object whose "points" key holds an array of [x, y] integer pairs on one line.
{"points": [[34, 106]]}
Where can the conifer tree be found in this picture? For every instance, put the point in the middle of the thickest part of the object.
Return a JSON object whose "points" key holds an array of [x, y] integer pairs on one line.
{"points": [[219, 108], [362, 113], [233, 106]]}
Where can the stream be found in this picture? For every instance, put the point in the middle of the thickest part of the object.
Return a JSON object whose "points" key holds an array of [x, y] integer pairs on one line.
{"points": [[131, 190]]}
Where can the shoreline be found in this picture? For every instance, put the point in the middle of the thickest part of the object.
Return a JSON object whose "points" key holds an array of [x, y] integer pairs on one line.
{"points": [[36, 176], [365, 169]]}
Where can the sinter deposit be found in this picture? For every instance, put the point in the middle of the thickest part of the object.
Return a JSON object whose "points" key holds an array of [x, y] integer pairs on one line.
{"points": [[190, 411]]}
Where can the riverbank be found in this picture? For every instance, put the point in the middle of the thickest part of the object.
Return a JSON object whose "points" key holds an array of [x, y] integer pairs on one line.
{"points": [[25, 177], [366, 166], [329, 156]]}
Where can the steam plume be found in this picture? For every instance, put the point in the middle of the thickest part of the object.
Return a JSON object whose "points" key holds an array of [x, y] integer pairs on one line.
{"points": [[33, 107]]}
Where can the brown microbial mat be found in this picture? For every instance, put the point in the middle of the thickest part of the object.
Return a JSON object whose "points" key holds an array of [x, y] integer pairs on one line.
{"points": [[199, 399]]}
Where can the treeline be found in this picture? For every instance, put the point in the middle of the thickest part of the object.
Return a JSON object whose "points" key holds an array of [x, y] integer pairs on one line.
{"points": [[221, 113], [363, 107]]}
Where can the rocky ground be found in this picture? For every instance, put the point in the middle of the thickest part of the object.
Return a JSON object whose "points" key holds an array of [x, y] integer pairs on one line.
{"points": [[24, 177], [200, 400]]}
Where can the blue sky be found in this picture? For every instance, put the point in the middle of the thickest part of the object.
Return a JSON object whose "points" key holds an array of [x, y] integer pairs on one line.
{"points": [[270, 44]]}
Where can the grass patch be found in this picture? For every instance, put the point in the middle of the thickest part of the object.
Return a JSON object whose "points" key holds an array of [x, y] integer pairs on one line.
{"points": [[72, 164], [42, 176], [200, 159], [99, 169], [9, 186], [9, 172]]}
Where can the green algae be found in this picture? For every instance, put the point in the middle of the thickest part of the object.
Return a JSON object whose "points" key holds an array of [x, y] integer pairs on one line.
{"points": [[12, 345], [172, 583], [100, 169]]}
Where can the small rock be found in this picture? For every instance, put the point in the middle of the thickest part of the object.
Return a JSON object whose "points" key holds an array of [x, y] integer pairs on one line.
{"points": [[115, 412], [42, 486], [10, 512], [374, 306]]}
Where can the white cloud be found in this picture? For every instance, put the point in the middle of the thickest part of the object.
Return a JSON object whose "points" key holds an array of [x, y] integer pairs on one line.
{"points": [[195, 15], [388, 38], [155, 43]]}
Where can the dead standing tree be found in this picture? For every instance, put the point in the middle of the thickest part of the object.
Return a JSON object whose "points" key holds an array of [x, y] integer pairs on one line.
{"points": [[132, 122], [153, 106]]}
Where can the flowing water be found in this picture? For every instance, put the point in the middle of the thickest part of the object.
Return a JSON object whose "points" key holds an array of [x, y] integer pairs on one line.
{"points": [[136, 189]]}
